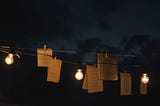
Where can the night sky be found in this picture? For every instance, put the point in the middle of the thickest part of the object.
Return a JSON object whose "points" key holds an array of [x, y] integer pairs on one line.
{"points": [[71, 25]]}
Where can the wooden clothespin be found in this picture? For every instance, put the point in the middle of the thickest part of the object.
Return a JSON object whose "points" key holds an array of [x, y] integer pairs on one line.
{"points": [[55, 57], [44, 46], [106, 54]]}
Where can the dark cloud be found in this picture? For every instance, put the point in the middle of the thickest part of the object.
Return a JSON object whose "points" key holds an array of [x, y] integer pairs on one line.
{"points": [[32, 18], [155, 4], [104, 7], [52, 21], [29, 22]]}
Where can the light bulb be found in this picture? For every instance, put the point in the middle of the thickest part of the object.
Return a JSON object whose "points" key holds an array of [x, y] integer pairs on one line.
{"points": [[144, 78], [79, 74], [9, 59]]}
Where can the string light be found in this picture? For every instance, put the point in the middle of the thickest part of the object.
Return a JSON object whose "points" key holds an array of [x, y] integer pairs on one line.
{"points": [[144, 78], [9, 59], [79, 74]]}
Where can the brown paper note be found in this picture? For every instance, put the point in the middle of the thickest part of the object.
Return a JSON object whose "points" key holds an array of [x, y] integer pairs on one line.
{"points": [[108, 67], [125, 84], [54, 70], [95, 84], [44, 56]]}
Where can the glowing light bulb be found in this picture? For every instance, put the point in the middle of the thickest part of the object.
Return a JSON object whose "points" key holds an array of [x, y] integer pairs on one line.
{"points": [[144, 78], [9, 59], [79, 74]]}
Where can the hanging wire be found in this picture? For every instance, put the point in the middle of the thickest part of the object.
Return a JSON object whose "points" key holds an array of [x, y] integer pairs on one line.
{"points": [[5, 49], [118, 55], [125, 55], [65, 51], [48, 55], [26, 53], [70, 62]]}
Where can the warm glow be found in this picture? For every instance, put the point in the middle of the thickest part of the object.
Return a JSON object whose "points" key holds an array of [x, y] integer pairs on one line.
{"points": [[9, 59], [144, 78], [79, 74]]}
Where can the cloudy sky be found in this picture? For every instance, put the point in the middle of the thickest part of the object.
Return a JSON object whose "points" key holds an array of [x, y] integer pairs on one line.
{"points": [[62, 22]]}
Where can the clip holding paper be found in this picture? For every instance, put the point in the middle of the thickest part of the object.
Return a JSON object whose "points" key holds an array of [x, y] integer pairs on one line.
{"points": [[106, 54], [55, 57], [44, 46]]}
